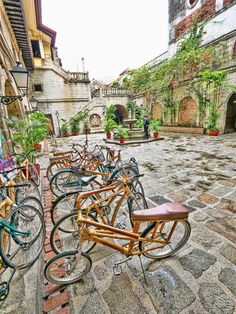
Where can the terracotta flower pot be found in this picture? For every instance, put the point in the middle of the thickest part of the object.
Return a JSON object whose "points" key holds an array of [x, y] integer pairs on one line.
{"points": [[38, 168], [122, 140], [213, 132], [76, 133], [108, 135], [38, 147], [67, 134], [155, 134]]}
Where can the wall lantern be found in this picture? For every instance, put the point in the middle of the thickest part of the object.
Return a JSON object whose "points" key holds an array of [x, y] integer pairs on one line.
{"points": [[20, 76]]}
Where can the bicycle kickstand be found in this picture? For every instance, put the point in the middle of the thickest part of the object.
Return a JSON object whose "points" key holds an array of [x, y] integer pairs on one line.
{"points": [[117, 269], [145, 279]]}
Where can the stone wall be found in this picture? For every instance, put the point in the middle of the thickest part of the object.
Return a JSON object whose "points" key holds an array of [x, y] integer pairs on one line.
{"points": [[59, 95]]}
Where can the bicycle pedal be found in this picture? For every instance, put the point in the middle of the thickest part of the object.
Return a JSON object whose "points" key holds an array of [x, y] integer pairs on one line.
{"points": [[121, 225], [117, 270]]}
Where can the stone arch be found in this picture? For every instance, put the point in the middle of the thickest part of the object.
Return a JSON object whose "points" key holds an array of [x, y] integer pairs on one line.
{"points": [[187, 111], [156, 111], [95, 120], [121, 113], [230, 120]]}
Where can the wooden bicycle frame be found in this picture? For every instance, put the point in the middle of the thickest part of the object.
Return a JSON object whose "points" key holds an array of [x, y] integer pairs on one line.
{"points": [[109, 199], [108, 231]]}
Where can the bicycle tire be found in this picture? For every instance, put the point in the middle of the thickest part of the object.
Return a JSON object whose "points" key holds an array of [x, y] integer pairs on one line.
{"points": [[34, 175], [26, 188], [65, 235], [57, 268], [59, 182], [182, 226], [33, 201], [54, 167], [137, 202], [24, 249], [65, 204]]}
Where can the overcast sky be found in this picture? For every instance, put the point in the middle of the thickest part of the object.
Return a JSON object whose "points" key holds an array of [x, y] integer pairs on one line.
{"points": [[110, 35]]}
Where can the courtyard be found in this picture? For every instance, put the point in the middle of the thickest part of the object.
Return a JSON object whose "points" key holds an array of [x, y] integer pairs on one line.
{"points": [[200, 172]]}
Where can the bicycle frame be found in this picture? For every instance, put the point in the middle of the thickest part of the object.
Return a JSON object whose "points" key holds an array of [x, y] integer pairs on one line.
{"points": [[132, 236], [108, 200]]}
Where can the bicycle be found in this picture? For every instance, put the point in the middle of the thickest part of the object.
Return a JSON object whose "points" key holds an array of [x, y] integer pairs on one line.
{"points": [[22, 235], [68, 180], [65, 232], [66, 159], [166, 231]]}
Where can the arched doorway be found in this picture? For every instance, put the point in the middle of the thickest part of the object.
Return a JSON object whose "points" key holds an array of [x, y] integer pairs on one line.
{"points": [[156, 111], [121, 113], [187, 112], [230, 121]]}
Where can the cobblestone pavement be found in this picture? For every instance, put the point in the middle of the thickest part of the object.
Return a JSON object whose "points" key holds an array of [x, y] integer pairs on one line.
{"points": [[199, 171]]}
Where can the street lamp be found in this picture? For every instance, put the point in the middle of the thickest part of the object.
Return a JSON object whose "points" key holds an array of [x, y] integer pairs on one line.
{"points": [[34, 103], [82, 59], [57, 116], [20, 76]]}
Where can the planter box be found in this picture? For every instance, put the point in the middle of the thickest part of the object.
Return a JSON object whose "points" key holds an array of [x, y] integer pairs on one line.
{"points": [[181, 129]]}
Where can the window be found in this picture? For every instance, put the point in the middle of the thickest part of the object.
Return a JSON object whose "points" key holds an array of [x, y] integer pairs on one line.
{"points": [[38, 87], [36, 48], [191, 3]]}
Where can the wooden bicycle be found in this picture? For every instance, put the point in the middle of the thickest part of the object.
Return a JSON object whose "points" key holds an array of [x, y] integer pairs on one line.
{"points": [[103, 205], [157, 233]]}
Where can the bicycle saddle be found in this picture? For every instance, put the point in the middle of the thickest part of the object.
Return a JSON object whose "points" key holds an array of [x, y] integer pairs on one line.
{"points": [[85, 180], [111, 165], [167, 211]]}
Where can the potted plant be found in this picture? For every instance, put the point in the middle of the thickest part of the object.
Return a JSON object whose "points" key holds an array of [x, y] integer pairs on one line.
{"points": [[86, 127], [109, 125], [155, 127], [65, 128], [212, 120], [74, 126], [121, 133]]}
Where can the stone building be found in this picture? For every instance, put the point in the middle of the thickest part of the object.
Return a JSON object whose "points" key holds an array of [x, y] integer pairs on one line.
{"points": [[218, 18], [60, 94], [13, 47]]}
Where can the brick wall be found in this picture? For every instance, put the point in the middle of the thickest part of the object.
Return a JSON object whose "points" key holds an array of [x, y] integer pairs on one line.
{"points": [[228, 2], [203, 13]]}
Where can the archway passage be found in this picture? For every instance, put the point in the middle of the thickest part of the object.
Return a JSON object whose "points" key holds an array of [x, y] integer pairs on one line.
{"points": [[187, 112], [230, 121], [121, 113], [156, 111]]}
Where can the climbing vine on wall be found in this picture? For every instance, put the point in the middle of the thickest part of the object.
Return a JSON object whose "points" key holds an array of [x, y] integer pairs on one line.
{"points": [[189, 60]]}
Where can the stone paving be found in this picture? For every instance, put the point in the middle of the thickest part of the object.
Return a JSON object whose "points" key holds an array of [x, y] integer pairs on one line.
{"points": [[199, 171]]}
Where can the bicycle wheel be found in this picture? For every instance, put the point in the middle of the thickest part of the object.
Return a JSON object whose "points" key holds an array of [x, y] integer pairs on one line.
{"points": [[66, 204], [34, 175], [25, 189], [33, 201], [65, 235], [137, 186], [178, 232], [55, 167], [137, 201], [24, 249], [64, 181], [67, 267]]}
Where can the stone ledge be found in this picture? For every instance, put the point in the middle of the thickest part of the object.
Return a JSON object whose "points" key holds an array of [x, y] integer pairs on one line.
{"points": [[180, 129], [127, 142]]}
